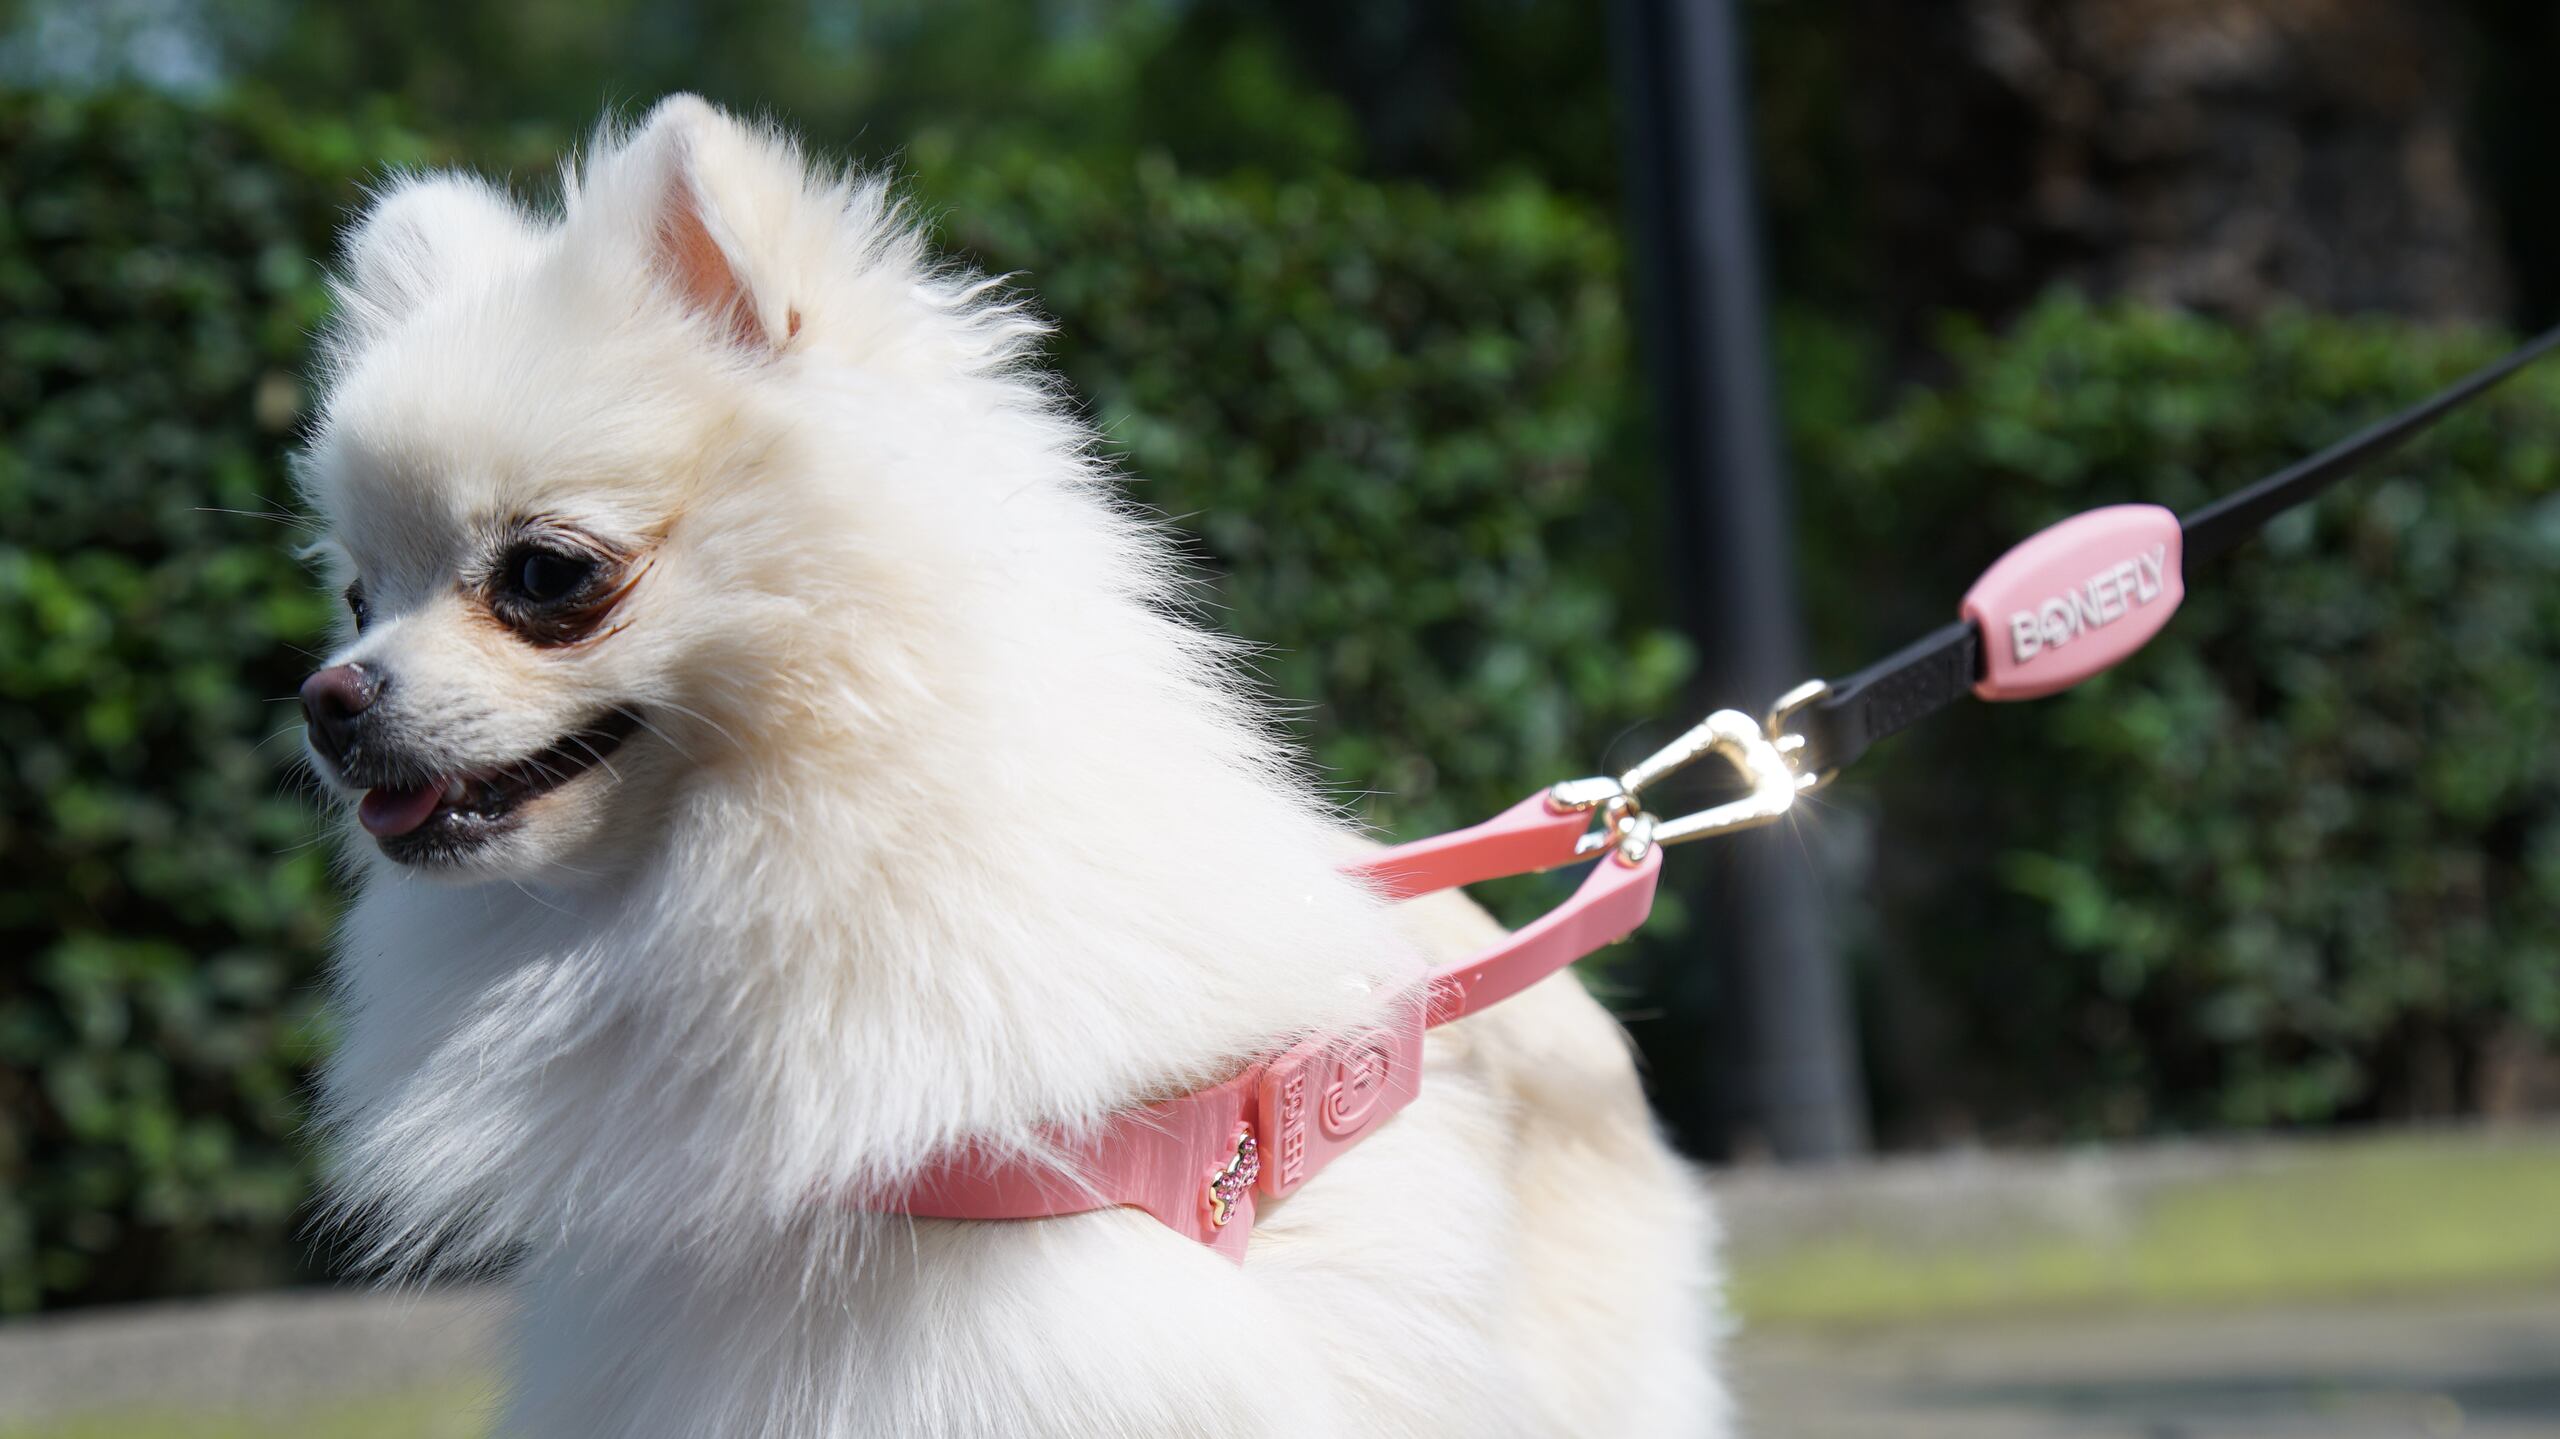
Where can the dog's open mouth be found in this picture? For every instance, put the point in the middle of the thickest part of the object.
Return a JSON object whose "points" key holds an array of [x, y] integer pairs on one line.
{"points": [[444, 815]]}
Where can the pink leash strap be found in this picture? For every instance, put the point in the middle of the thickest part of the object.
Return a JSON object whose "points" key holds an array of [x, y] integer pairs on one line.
{"points": [[1535, 834], [1198, 1163]]}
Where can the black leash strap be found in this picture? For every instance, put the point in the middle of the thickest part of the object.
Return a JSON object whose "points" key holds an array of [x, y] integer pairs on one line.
{"points": [[1942, 667], [1887, 697]]}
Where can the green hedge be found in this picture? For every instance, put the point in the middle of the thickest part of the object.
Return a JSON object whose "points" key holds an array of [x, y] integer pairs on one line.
{"points": [[160, 902], [1379, 412], [2300, 860]]}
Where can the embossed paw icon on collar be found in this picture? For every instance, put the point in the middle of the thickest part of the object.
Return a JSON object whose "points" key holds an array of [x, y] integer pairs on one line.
{"points": [[1321, 1097], [1358, 1082]]}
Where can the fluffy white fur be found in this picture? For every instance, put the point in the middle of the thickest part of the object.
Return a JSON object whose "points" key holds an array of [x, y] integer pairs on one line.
{"points": [[946, 822]]}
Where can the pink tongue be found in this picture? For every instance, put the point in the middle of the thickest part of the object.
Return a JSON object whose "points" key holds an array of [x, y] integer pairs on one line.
{"points": [[386, 812]]}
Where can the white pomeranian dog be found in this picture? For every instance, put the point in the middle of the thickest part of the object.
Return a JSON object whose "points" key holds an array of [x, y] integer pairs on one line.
{"points": [[781, 756]]}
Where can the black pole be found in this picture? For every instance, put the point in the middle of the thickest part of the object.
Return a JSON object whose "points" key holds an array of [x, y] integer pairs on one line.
{"points": [[1781, 1058]]}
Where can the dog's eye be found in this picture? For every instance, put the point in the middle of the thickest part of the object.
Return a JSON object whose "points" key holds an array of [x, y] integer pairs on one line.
{"points": [[541, 576], [357, 607], [555, 587]]}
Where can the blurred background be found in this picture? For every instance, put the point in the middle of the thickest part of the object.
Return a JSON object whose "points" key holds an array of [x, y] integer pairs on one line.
{"points": [[1479, 346]]}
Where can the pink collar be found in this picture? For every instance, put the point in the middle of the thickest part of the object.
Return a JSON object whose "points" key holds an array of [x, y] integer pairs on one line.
{"points": [[1198, 1162]]}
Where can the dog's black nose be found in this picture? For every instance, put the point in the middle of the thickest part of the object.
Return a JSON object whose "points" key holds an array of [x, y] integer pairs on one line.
{"points": [[331, 701]]}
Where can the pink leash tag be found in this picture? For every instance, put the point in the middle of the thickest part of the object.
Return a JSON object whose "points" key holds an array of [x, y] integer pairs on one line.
{"points": [[2075, 599]]}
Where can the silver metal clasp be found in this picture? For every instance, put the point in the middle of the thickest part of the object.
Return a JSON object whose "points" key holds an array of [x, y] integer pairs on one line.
{"points": [[1762, 752]]}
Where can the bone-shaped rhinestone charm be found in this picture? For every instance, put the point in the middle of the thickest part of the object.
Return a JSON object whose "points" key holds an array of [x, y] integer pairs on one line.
{"points": [[1232, 1181]]}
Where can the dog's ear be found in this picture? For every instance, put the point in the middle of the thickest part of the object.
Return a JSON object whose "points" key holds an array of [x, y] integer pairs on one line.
{"points": [[420, 235], [694, 168]]}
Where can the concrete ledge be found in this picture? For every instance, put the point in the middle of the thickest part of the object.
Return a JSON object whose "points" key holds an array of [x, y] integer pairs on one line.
{"points": [[2097, 1192], [264, 1353], [2353, 1219]]}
